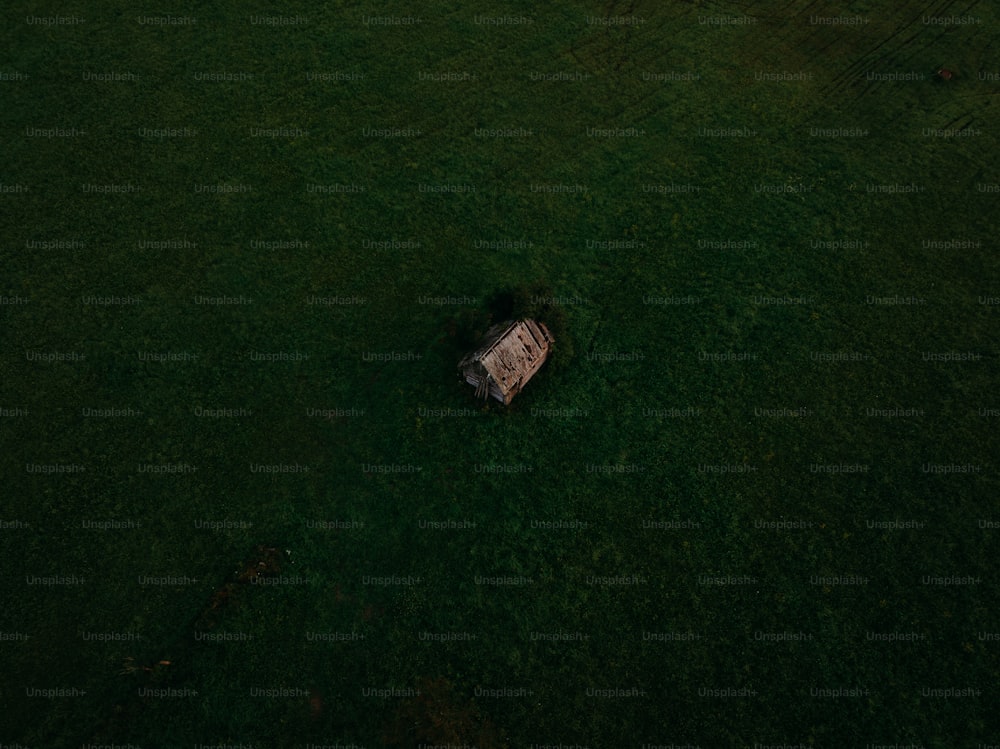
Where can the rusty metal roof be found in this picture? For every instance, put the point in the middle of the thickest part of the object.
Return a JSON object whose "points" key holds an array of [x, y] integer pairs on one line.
{"points": [[510, 353]]}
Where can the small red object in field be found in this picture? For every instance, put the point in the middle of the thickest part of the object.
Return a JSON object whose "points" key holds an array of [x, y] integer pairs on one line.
{"points": [[315, 703], [945, 75]]}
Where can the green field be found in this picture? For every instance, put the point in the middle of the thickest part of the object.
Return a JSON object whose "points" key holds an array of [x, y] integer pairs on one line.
{"points": [[243, 249]]}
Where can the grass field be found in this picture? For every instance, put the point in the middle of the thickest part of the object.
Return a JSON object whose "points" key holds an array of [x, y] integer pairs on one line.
{"points": [[761, 464]]}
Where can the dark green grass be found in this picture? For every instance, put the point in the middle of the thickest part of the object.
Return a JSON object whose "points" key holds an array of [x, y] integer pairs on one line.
{"points": [[616, 402]]}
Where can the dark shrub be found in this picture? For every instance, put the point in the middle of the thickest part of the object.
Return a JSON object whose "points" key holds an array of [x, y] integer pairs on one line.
{"points": [[468, 326]]}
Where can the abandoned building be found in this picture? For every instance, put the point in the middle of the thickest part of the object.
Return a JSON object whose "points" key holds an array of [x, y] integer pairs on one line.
{"points": [[508, 356]]}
